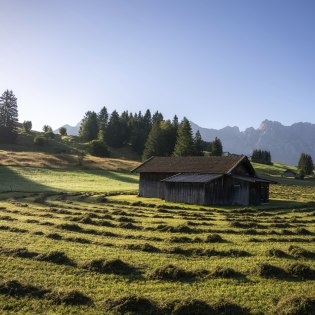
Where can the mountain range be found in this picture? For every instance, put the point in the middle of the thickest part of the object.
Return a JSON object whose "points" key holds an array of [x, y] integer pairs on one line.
{"points": [[285, 143]]}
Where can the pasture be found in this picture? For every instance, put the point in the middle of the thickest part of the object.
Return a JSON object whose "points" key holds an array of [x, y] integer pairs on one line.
{"points": [[103, 253]]}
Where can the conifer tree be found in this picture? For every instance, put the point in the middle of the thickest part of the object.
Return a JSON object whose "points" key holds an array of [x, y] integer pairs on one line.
{"points": [[198, 144], [153, 143], [217, 148], [306, 164], [89, 127], [8, 117], [184, 140], [114, 134], [102, 120]]}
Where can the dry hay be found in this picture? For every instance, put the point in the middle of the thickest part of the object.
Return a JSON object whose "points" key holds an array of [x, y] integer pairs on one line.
{"points": [[274, 252], [171, 273], [115, 266], [72, 297], [300, 252], [214, 238], [296, 305], [18, 289], [56, 257], [269, 271], [301, 271], [221, 272], [133, 305]]}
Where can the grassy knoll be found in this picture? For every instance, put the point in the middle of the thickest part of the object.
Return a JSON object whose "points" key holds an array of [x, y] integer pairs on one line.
{"points": [[111, 248]]}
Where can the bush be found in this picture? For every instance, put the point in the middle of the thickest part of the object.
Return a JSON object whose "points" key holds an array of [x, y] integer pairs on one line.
{"points": [[39, 140], [98, 148]]}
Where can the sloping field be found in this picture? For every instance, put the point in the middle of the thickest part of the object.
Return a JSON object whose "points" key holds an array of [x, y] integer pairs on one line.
{"points": [[96, 254], [48, 160]]}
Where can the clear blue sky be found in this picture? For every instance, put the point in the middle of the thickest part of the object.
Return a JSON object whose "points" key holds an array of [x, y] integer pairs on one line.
{"points": [[218, 62]]}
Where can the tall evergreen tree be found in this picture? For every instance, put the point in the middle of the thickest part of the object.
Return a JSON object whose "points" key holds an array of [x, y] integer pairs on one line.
{"points": [[198, 144], [157, 117], [168, 137], [184, 141], [217, 148], [89, 127], [306, 164], [153, 143], [8, 117], [102, 120], [114, 134]]}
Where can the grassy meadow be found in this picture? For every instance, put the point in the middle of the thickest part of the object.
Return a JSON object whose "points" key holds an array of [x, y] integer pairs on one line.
{"points": [[78, 240]]}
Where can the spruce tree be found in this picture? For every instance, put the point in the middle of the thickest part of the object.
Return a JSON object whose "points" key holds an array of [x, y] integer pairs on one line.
{"points": [[153, 144], [198, 144], [184, 140], [89, 127], [8, 117], [217, 148], [157, 117], [102, 120], [306, 164], [114, 132]]}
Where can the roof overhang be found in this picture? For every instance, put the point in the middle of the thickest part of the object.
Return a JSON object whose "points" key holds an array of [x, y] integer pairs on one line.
{"points": [[192, 178]]}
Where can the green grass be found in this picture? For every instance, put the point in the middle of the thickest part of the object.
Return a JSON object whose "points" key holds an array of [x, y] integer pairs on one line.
{"points": [[41, 179], [255, 292], [274, 172], [92, 225]]}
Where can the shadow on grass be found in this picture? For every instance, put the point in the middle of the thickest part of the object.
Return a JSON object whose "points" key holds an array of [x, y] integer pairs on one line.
{"points": [[122, 176], [11, 181], [280, 204]]}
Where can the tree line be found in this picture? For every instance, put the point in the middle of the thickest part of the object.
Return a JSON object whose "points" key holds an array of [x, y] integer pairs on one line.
{"points": [[147, 134]]}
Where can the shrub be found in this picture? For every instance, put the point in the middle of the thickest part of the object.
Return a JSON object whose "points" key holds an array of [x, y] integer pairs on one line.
{"points": [[39, 140], [98, 148]]}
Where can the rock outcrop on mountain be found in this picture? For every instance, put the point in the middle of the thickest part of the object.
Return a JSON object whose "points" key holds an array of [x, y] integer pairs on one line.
{"points": [[285, 143]]}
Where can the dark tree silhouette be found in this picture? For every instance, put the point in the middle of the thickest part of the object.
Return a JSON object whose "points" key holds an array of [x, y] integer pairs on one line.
{"points": [[8, 117]]}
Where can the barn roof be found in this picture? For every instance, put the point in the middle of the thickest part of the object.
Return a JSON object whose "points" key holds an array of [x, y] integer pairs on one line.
{"points": [[192, 164], [252, 179], [191, 178]]}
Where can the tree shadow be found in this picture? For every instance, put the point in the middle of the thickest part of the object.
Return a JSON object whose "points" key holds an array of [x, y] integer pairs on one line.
{"points": [[121, 176], [11, 181]]}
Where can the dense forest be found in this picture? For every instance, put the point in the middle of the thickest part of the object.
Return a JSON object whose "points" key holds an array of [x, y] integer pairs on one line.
{"points": [[147, 134]]}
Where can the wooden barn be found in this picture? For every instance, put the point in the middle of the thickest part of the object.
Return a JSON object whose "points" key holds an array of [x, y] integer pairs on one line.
{"points": [[222, 180]]}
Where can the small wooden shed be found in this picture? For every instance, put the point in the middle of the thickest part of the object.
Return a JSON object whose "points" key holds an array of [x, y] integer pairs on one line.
{"points": [[289, 173], [202, 180]]}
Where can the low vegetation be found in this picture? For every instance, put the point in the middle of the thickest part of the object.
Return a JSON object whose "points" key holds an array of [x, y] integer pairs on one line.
{"points": [[112, 253]]}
